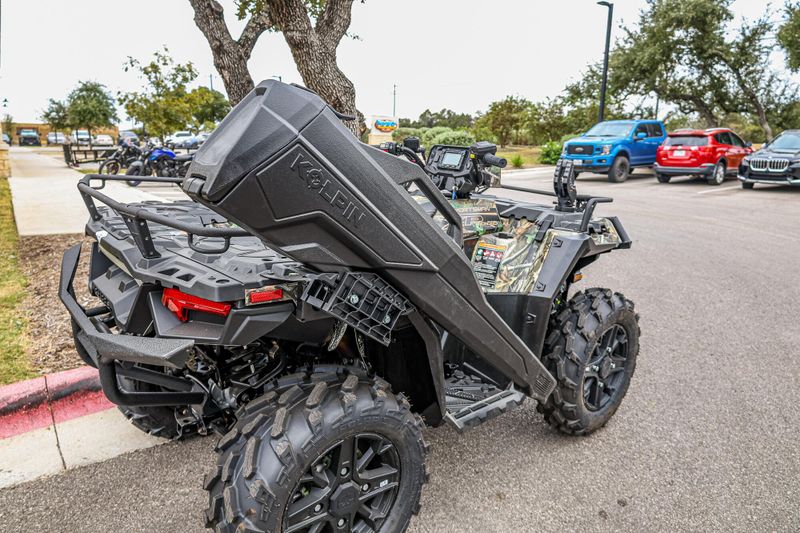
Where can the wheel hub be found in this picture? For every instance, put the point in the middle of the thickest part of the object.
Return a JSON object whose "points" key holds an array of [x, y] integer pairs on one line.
{"points": [[605, 367], [344, 500]]}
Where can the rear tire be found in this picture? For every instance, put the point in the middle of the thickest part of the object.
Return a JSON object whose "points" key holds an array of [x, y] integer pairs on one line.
{"points": [[717, 176], [592, 381], [294, 459], [620, 170], [662, 178], [156, 421]]}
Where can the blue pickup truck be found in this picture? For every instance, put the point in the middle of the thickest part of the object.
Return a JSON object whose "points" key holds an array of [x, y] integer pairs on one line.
{"points": [[615, 147]]}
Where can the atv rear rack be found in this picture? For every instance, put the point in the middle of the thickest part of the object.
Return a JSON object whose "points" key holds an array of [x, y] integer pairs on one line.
{"points": [[136, 218]]}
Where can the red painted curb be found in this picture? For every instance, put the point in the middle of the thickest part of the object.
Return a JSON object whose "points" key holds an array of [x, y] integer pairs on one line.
{"points": [[24, 406], [33, 392]]}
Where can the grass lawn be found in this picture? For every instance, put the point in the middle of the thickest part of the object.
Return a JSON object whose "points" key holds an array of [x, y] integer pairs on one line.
{"points": [[14, 364], [529, 155]]}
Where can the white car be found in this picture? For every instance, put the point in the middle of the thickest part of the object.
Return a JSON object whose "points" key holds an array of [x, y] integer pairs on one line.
{"points": [[80, 137], [103, 140], [179, 137]]}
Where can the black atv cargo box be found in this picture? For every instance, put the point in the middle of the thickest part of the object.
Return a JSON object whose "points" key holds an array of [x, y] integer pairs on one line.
{"points": [[283, 166]]}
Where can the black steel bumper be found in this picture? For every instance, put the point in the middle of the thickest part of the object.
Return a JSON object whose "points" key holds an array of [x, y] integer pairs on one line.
{"points": [[116, 354]]}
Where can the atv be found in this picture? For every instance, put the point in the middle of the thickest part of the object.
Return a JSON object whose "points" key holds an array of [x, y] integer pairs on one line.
{"points": [[316, 301]]}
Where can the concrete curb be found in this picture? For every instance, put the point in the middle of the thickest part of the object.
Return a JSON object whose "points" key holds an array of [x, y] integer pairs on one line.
{"points": [[34, 392]]}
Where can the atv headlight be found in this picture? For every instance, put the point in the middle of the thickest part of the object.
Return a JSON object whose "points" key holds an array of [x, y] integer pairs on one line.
{"points": [[606, 149]]}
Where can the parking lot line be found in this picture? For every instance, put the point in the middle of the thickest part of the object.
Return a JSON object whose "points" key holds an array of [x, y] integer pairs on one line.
{"points": [[720, 189]]}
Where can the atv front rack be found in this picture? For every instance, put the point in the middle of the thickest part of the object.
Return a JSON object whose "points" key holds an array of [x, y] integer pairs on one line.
{"points": [[136, 218]]}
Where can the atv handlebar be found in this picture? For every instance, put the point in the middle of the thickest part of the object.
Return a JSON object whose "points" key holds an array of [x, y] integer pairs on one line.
{"points": [[491, 159]]}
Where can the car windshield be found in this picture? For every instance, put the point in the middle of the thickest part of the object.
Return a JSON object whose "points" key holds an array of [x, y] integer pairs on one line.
{"points": [[686, 140], [610, 129], [786, 141]]}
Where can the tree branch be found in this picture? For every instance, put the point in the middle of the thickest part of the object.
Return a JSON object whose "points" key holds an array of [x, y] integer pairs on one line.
{"points": [[258, 24], [210, 18], [334, 21], [291, 17]]}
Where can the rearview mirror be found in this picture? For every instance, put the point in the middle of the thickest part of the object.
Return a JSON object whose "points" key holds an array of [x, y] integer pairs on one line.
{"points": [[641, 135], [748, 144]]}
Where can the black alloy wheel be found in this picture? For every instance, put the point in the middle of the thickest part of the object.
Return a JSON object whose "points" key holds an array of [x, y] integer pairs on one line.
{"points": [[351, 487], [606, 368]]}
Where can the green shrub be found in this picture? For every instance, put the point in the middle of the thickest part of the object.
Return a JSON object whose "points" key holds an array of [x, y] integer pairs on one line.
{"points": [[551, 152], [453, 137], [517, 161], [401, 133], [429, 134]]}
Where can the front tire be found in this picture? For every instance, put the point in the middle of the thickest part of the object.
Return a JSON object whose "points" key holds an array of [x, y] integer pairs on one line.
{"points": [[620, 170], [110, 166], [134, 170], [591, 350], [324, 451], [718, 174]]}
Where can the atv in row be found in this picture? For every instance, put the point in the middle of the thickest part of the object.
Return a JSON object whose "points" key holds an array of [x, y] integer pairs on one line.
{"points": [[316, 301]]}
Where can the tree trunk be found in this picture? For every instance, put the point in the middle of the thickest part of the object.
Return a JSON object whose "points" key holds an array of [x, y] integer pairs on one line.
{"points": [[314, 52], [230, 55]]}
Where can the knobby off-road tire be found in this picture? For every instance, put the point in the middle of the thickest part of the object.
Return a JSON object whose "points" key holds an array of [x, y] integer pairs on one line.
{"points": [[156, 421], [620, 169], [286, 464], [591, 350]]}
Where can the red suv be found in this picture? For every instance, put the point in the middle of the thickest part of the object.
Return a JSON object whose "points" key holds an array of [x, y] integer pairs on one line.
{"points": [[713, 154]]}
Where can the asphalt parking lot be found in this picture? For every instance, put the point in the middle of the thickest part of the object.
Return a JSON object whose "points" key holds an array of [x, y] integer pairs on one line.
{"points": [[706, 440]]}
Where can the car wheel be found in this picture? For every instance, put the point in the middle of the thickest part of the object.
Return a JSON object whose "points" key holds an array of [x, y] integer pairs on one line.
{"points": [[746, 185], [718, 175], [662, 178], [620, 170]]}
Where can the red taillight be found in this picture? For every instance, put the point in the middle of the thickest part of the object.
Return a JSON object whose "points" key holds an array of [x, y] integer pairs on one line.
{"points": [[269, 293], [181, 303]]}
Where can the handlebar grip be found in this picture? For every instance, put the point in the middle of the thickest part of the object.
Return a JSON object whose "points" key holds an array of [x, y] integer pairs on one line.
{"points": [[491, 159]]}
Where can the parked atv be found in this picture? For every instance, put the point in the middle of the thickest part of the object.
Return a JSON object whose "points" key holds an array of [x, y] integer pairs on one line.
{"points": [[319, 299]]}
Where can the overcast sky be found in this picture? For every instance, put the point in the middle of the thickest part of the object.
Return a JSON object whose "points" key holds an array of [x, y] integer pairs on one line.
{"points": [[460, 54]]}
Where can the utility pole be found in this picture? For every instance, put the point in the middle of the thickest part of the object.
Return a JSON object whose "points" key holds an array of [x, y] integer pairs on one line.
{"points": [[603, 87], [211, 81], [394, 100]]}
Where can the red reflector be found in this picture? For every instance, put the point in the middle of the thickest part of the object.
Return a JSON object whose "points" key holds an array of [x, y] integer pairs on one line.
{"points": [[265, 294], [181, 303]]}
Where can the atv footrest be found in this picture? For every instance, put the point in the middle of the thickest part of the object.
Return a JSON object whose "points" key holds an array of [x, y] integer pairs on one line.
{"points": [[361, 300], [471, 402]]}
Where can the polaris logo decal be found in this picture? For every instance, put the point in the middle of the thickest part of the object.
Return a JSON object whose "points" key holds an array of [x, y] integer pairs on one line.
{"points": [[328, 189]]}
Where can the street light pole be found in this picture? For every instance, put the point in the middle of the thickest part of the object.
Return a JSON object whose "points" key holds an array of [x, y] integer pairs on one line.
{"points": [[604, 85], [394, 100]]}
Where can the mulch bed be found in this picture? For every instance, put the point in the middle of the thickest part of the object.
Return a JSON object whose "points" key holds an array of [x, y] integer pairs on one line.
{"points": [[50, 347]]}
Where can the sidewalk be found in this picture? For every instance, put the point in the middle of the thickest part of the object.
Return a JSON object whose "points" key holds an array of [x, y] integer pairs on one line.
{"points": [[45, 195], [60, 421]]}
